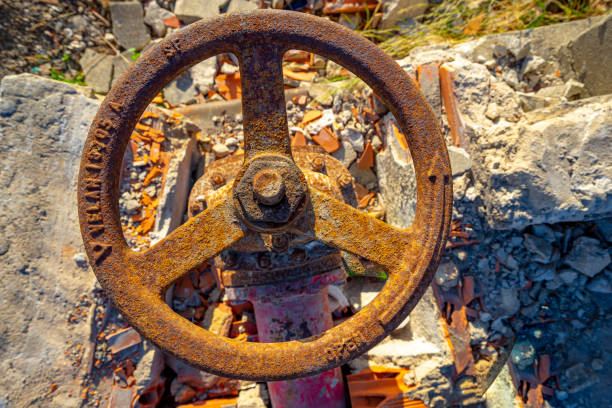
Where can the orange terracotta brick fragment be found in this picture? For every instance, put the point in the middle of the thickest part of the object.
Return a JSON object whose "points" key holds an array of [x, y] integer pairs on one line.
{"points": [[172, 22], [299, 139], [363, 203], [153, 173], [229, 86], [212, 403], [366, 160], [154, 152], [400, 137], [311, 115], [447, 87], [326, 139], [361, 191], [299, 76]]}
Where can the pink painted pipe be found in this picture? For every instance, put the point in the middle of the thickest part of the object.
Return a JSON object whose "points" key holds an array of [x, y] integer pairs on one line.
{"points": [[294, 316]]}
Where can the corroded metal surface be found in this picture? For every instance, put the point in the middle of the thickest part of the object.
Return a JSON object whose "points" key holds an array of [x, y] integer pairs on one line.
{"points": [[136, 281]]}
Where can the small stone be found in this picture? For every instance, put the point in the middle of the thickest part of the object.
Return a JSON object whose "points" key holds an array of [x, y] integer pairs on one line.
{"points": [[220, 150], [218, 319], [554, 284], [499, 50], [151, 191], [345, 154], [492, 111], [545, 232], [568, 276], [132, 205], [531, 65], [97, 69], [544, 273], [511, 77], [253, 397], [128, 24], [154, 17], [587, 256], [80, 259], [485, 317], [189, 11], [600, 284], [231, 141], [509, 301], [523, 354], [377, 144], [460, 160], [447, 275], [365, 177], [577, 378], [490, 64], [597, 364], [203, 74], [605, 227], [228, 69], [242, 5], [337, 103], [554, 92], [530, 101], [541, 248], [345, 116], [354, 137], [326, 120], [181, 90], [574, 89]]}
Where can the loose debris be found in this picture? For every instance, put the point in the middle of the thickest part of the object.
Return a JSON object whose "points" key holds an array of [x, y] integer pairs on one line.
{"points": [[528, 293]]}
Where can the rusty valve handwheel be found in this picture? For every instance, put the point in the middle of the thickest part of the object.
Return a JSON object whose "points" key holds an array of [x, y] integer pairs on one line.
{"points": [[269, 194]]}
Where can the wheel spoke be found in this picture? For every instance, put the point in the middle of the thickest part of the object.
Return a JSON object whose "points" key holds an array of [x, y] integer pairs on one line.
{"points": [[199, 239], [342, 226], [263, 100]]}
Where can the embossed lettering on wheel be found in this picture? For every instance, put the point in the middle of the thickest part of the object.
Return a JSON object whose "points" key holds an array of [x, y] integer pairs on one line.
{"points": [[136, 281]]}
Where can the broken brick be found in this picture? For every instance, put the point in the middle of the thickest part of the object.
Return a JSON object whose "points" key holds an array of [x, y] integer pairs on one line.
{"points": [[153, 173], [400, 137], [447, 87], [326, 139], [366, 160], [154, 152], [311, 115], [299, 139], [429, 82], [229, 86], [299, 76], [123, 339], [171, 22], [218, 319]]}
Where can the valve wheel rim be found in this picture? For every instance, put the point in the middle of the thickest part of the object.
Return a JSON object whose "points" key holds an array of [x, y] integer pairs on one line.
{"points": [[127, 276]]}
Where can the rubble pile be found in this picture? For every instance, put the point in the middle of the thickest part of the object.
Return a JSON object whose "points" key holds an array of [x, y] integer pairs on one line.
{"points": [[527, 271]]}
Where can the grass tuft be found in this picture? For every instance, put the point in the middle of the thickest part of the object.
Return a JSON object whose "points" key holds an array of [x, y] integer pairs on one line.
{"points": [[454, 21]]}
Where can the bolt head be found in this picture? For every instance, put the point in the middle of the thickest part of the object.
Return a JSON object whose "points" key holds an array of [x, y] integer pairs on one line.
{"points": [[280, 242], [217, 179], [264, 260], [268, 187], [345, 180], [271, 193], [318, 163]]}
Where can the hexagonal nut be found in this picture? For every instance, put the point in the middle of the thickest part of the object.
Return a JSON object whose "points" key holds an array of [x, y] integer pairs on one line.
{"points": [[254, 210]]}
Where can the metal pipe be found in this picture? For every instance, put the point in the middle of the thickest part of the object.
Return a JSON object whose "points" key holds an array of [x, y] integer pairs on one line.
{"points": [[292, 318], [295, 310]]}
